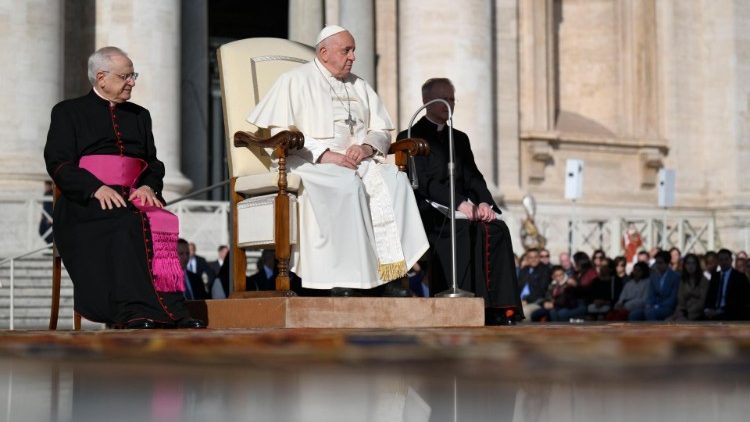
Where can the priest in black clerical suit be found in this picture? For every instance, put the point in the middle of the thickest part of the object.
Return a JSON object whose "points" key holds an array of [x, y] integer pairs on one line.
{"points": [[116, 241], [484, 255]]}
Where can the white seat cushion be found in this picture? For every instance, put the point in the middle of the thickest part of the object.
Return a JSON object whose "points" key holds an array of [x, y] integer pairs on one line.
{"points": [[259, 184]]}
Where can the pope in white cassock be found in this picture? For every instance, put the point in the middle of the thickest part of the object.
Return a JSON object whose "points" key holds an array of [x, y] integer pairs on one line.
{"points": [[360, 226]]}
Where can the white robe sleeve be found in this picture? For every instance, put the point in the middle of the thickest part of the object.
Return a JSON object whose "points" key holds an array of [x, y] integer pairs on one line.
{"points": [[312, 151]]}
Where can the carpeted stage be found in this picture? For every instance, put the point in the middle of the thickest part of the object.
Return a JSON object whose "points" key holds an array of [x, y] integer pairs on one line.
{"points": [[527, 372]]}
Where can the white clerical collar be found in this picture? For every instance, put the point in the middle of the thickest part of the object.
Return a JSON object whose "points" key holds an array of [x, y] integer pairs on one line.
{"points": [[439, 125], [326, 72], [111, 103]]}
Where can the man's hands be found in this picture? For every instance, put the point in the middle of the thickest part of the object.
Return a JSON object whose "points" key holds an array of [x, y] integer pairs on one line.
{"points": [[330, 157], [350, 159], [147, 197], [109, 198], [359, 152], [482, 212]]}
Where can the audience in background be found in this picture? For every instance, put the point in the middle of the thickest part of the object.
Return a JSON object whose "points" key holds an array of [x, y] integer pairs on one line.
{"points": [[662, 292], [533, 282], [691, 297], [562, 301], [728, 293], [585, 272], [604, 291], [566, 264], [597, 258], [544, 258], [675, 259], [634, 294], [643, 256]]}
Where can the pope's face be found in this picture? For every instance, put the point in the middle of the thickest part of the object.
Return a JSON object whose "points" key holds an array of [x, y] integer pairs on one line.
{"points": [[337, 54], [438, 112], [112, 83]]}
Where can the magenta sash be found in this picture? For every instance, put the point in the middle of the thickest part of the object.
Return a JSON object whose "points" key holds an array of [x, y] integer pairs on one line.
{"points": [[167, 274]]}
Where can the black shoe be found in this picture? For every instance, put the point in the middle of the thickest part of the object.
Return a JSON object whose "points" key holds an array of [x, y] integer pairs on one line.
{"points": [[141, 324], [191, 323], [344, 292], [396, 289], [500, 316]]}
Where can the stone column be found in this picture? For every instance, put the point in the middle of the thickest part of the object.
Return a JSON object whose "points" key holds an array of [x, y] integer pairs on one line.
{"points": [[305, 20], [438, 39], [357, 17], [149, 31], [31, 47], [194, 87], [508, 149]]}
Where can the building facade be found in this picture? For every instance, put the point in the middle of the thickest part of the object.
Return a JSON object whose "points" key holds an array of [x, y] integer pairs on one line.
{"points": [[627, 86]]}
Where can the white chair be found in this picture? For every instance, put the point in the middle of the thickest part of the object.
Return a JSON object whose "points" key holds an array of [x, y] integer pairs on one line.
{"points": [[263, 200]]}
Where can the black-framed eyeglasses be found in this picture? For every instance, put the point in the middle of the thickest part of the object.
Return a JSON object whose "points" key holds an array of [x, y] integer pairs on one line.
{"points": [[129, 77]]}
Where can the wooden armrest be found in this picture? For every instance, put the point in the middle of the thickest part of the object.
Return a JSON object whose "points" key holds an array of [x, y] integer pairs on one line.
{"points": [[284, 141], [406, 147]]}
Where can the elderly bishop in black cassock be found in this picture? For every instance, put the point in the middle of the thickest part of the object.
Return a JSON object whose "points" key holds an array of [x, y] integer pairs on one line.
{"points": [[117, 243]]}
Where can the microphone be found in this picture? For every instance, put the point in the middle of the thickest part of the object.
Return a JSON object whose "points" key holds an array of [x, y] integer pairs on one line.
{"points": [[453, 291]]}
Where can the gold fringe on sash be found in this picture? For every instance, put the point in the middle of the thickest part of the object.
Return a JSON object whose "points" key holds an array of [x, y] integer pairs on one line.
{"points": [[392, 271]]}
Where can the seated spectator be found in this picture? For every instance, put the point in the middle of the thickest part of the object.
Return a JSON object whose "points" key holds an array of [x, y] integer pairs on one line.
{"points": [[634, 294], [604, 291], [728, 292], [567, 264], [533, 282], [265, 278], [643, 256], [585, 272], [544, 258], [662, 291], [675, 259], [621, 273], [710, 264], [561, 301], [691, 295], [598, 258]]}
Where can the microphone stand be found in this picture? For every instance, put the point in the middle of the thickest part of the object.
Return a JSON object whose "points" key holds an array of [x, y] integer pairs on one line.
{"points": [[453, 291]]}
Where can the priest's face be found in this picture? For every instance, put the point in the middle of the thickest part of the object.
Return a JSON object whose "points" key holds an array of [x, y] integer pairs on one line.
{"points": [[116, 82], [438, 112], [337, 54]]}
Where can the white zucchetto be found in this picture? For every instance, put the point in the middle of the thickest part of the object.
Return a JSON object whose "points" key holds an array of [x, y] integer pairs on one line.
{"points": [[329, 31]]}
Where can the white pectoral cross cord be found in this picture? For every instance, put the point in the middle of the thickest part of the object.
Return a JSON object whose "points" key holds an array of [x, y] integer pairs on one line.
{"points": [[349, 121]]}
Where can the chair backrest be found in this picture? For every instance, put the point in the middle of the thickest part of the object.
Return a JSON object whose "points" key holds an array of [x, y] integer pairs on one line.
{"points": [[248, 68]]}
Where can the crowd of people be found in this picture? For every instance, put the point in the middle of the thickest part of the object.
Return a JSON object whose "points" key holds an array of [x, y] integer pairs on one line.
{"points": [[660, 285]]}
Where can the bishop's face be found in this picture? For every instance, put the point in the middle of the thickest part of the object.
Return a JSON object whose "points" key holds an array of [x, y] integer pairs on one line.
{"points": [[337, 54], [115, 83], [438, 112]]}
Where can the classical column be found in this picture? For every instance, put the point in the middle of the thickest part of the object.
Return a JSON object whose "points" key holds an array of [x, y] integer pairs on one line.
{"points": [[439, 39], [31, 47], [357, 17], [149, 31], [508, 155], [305, 20], [194, 87]]}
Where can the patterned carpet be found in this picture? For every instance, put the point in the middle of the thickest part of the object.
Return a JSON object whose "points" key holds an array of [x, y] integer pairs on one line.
{"points": [[591, 350]]}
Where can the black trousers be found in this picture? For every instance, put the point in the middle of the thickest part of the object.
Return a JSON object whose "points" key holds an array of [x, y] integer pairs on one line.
{"points": [[485, 263]]}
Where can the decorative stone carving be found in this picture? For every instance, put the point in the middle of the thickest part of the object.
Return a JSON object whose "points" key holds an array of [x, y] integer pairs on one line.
{"points": [[651, 162]]}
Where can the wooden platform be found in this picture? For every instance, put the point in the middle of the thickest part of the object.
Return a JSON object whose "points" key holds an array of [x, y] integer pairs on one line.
{"points": [[344, 312]]}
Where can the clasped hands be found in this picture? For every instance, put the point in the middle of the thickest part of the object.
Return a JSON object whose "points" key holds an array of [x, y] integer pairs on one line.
{"points": [[481, 212], [350, 158], [109, 198]]}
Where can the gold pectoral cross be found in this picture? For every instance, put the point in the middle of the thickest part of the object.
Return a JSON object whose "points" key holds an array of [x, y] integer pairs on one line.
{"points": [[350, 122]]}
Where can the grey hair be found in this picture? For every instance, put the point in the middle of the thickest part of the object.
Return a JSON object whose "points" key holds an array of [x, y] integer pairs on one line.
{"points": [[430, 83], [101, 60]]}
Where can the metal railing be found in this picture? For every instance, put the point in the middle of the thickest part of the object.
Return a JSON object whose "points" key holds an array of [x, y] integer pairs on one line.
{"points": [[179, 206]]}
